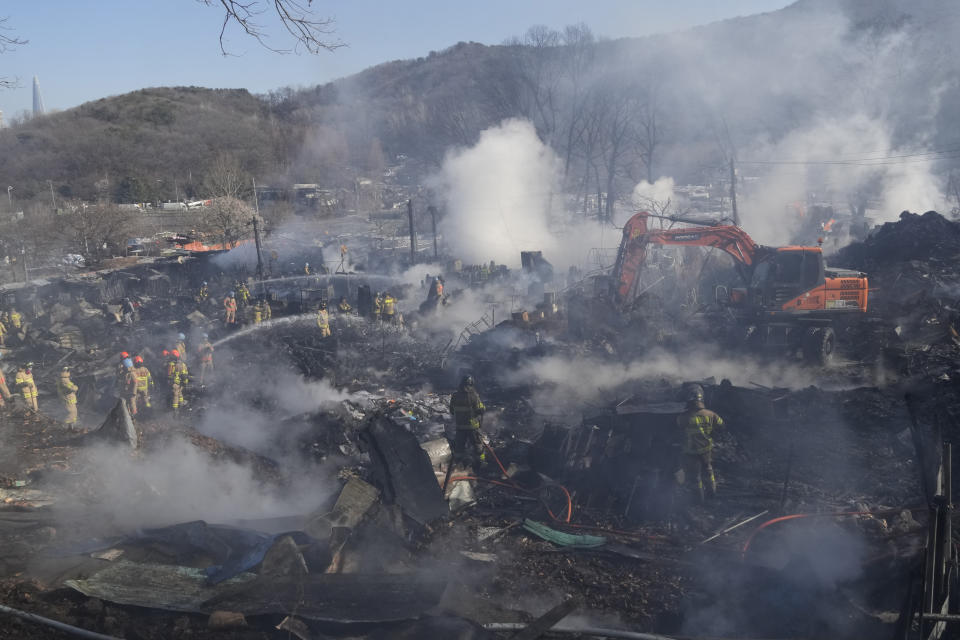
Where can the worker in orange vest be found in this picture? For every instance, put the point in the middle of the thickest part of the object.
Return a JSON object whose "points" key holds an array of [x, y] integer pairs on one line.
{"points": [[230, 309]]}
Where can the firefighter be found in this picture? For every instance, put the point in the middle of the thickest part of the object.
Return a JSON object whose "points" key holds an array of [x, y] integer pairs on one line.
{"points": [[230, 309], [169, 364], [389, 308], [16, 320], [378, 306], [178, 381], [181, 345], [206, 358], [26, 386], [129, 385], [121, 374], [3, 333], [243, 294], [258, 312], [267, 309], [4, 391], [698, 424], [323, 320], [67, 391], [306, 268], [143, 385], [203, 293], [343, 306], [467, 411]]}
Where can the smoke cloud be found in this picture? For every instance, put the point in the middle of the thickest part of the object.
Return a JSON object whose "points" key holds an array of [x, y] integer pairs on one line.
{"points": [[498, 195]]}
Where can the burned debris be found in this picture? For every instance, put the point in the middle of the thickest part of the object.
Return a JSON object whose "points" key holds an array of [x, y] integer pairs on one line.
{"points": [[327, 480]]}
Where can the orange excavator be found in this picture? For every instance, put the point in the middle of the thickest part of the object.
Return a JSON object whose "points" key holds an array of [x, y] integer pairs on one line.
{"points": [[787, 298]]}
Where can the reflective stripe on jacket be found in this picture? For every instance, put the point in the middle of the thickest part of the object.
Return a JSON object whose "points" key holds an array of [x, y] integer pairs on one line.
{"points": [[698, 426], [466, 408]]}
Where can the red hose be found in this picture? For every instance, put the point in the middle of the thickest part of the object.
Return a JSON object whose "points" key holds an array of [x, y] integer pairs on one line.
{"points": [[513, 485], [795, 516]]}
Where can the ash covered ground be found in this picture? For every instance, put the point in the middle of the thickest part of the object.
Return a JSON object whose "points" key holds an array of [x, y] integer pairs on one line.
{"points": [[300, 490]]}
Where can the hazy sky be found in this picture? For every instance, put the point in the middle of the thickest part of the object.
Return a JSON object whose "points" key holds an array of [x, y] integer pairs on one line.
{"points": [[83, 50]]}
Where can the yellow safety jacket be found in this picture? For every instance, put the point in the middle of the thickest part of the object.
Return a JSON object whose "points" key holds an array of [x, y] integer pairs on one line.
{"points": [[323, 319], [389, 306], [698, 426], [180, 374], [15, 319], [144, 379], [67, 390], [24, 382]]}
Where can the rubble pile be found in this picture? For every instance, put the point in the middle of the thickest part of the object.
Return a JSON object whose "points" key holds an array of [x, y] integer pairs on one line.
{"points": [[313, 485], [915, 293]]}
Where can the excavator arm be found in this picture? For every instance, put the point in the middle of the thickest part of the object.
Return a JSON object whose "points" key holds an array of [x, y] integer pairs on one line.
{"points": [[636, 236]]}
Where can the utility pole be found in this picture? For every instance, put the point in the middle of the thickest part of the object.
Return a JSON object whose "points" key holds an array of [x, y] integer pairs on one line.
{"points": [[433, 216], [733, 192], [256, 231], [53, 200], [256, 237], [413, 233]]}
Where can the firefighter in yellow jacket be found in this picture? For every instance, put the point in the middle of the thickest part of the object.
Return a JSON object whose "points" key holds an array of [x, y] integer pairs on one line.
{"points": [[142, 386], [323, 320], [389, 308], [178, 381], [3, 333], [4, 391], [67, 391], [698, 424], [26, 386]]}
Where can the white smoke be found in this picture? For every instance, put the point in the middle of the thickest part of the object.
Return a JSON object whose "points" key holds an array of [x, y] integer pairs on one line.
{"points": [[498, 195], [826, 162]]}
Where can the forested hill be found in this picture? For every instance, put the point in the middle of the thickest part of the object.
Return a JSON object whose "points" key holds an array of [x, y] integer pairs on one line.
{"points": [[615, 111]]}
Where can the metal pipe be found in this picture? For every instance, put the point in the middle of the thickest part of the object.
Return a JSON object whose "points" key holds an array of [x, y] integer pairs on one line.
{"points": [[586, 631], [62, 626], [940, 617]]}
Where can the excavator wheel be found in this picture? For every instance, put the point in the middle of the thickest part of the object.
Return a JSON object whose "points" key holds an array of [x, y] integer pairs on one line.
{"points": [[819, 345]]}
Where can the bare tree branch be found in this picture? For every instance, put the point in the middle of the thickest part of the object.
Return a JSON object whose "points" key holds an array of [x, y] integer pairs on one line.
{"points": [[7, 43], [309, 31]]}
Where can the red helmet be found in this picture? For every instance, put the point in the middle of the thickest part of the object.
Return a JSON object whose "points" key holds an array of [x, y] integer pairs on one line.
{"points": [[138, 360], [175, 353], [166, 352], [124, 355]]}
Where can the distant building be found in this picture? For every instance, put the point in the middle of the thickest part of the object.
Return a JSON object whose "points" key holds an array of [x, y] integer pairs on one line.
{"points": [[38, 109]]}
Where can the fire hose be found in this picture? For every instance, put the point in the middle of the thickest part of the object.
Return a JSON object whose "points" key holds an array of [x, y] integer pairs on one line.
{"points": [[797, 516], [62, 626], [513, 485]]}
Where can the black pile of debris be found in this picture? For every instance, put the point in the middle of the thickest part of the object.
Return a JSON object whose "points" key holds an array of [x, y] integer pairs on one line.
{"points": [[912, 326]]}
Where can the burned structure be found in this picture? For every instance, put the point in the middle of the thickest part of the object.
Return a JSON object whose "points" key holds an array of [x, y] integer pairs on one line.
{"points": [[310, 485]]}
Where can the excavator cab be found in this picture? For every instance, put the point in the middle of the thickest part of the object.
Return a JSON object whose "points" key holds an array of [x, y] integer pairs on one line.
{"points": [[784, 275]]}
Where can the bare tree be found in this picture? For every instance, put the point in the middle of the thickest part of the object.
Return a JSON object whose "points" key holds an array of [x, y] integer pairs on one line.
{"points": [[308, 30], [8, 42], [577, 61], [228, 218], [537, 70], [649, 129], [225, 177], [96, 231]]}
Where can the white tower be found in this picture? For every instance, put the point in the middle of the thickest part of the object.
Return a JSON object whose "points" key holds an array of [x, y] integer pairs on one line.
{"points": [[38, 109]]}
